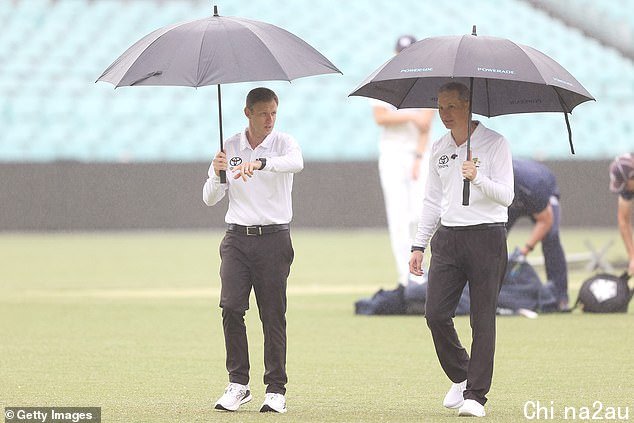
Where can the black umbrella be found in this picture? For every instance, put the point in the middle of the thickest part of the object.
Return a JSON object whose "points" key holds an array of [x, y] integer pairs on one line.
{"points": [[503, 77], [213, 51]]}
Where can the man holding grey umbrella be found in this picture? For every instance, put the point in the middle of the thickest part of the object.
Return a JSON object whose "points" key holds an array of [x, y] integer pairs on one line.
{"points": [[469, 245], [256, 251]]}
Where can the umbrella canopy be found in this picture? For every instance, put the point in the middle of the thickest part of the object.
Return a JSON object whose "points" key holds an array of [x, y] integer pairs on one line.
{"points": [[507, 77], [213, 51], [503, 78], [216, 50]]}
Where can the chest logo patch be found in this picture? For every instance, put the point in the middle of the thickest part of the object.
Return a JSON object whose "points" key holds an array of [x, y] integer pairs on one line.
{"points": [[235, 161], [442, 161]]}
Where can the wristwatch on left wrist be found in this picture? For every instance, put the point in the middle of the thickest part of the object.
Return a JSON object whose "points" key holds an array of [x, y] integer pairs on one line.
{"points": [[263, 161]]}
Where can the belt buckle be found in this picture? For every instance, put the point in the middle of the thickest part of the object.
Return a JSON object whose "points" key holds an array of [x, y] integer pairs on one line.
{"points": [[257, 230]]}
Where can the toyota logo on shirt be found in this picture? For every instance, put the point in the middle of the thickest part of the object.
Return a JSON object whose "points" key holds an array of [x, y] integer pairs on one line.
{"points": [[235, 161], [442, 161]]}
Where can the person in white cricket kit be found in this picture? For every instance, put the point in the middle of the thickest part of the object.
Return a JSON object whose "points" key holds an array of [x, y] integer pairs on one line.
{"points": [[256, 251], [469, 245], [403, 164]]}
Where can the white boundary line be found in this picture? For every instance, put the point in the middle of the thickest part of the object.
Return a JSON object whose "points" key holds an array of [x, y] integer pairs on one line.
{"points": [[186, 293]]}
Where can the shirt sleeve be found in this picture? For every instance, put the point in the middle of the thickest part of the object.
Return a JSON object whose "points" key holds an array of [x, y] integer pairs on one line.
{"points": [[291, 161], [431, 209], [499, 187], [213, 190]]}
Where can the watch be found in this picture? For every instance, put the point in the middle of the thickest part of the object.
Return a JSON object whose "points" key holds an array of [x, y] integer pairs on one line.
{"points": [[263, 161]]}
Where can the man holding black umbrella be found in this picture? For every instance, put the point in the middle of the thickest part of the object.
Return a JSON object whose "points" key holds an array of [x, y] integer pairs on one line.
{"points": [[256, 251], [469, 245]]}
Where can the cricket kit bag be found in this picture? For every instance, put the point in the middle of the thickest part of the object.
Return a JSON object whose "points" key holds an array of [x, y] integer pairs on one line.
{"points": [[605, 293], [383, 302], [523, 289], [416, 294]]}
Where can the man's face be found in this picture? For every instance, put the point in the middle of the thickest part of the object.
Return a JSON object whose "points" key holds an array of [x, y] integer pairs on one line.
{"points": [[262, 117], [453, 111]]}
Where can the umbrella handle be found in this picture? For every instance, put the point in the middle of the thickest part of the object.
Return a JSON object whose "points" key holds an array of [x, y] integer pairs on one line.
{"points": [[223, 173], [466, 189]]}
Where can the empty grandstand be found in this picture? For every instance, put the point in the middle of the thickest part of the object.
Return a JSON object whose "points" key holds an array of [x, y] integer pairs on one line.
{"points": [[51, 52]]}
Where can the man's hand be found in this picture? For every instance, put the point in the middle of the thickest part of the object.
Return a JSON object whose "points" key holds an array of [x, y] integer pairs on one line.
{"points": [[469, 170], [416, 263], [525, 251], [245, 170], [220, 162]]}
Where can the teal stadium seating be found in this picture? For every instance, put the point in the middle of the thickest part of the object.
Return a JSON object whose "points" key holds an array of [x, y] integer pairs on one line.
{"points": [[51, 52]]}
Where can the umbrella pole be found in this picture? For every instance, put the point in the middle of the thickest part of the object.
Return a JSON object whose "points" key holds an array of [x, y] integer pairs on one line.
{"points": [[466, 187], [223, 174], [563, 107]]}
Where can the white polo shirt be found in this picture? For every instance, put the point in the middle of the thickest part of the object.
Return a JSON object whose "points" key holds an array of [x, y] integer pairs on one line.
{"points": [[491, 191], [265, 198]]}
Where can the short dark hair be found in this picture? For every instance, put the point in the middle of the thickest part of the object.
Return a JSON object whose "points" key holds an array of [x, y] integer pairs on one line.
{"points": [[461, 89], [260, 94]]}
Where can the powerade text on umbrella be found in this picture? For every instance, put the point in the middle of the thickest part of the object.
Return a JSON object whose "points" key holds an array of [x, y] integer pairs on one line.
{"points": [[504, 78], [213, 51]]}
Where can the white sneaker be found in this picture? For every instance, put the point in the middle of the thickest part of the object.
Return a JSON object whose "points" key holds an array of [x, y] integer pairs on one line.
{"points": [[454, 398], [471, 408], [235, 395], [274, 402]]}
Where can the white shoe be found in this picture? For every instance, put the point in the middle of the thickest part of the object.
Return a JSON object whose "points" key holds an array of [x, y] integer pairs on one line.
{"points": [[454, 398], [235, 395], [471, 408], [274, 402]]}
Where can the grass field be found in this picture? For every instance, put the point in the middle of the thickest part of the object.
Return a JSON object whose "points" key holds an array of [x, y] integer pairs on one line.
{"points": [[130, 322]]}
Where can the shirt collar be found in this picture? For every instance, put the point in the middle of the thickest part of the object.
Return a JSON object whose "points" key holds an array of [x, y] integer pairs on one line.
{"points": [[464, 144], [266, 143]]}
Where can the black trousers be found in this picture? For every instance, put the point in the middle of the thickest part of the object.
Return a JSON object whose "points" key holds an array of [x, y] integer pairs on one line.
{"points": [[457, 256], [262, 263]]}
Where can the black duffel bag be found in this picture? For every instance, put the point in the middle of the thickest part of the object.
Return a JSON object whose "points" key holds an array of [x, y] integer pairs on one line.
{"points": [[605, 293]]}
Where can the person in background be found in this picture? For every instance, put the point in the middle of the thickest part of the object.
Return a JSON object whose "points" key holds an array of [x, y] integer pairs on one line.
{"points": [[403, 165], [469, 245], [622, 183], [256, 251], [537, 197]]}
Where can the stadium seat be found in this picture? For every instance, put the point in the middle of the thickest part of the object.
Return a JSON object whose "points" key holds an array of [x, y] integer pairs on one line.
{"points": [[51, 52]]}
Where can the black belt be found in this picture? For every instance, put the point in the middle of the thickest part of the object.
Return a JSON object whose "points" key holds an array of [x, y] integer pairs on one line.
{"points": [[474, 227], [257, 230]]}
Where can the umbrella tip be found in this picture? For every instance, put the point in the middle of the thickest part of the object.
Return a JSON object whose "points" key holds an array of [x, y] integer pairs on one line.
{"points": [[473, 31], [216, 10]]}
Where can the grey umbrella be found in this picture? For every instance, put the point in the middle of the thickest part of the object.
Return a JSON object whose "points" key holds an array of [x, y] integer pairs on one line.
{"points": [[503, 77], [213, 51]]}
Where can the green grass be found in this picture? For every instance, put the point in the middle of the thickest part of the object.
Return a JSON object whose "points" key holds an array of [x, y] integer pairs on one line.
{"points": [[130, 322]]}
